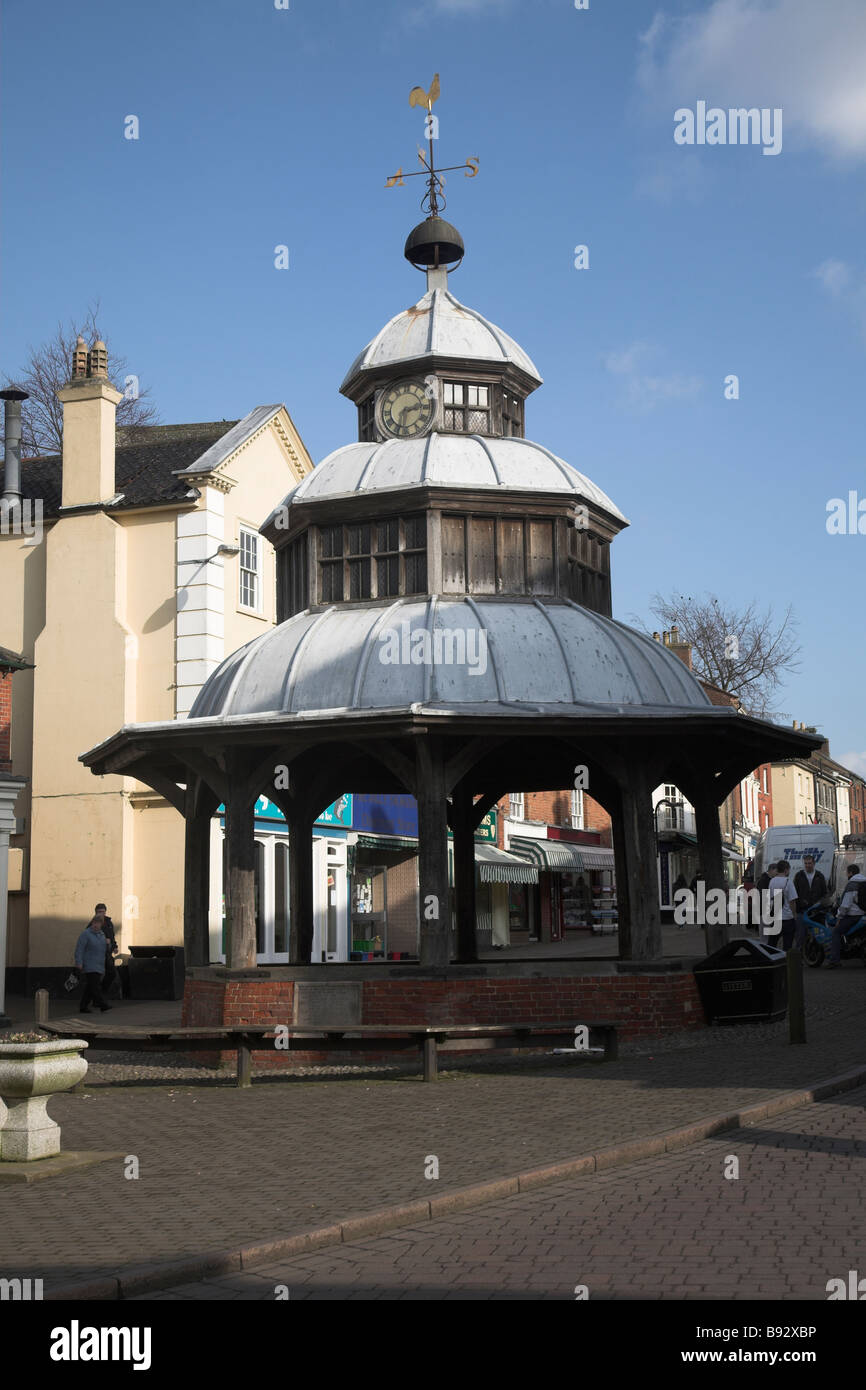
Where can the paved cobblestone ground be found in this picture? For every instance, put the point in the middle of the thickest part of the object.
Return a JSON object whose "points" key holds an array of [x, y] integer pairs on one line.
{"points": [[221, 1167], [664, 1228]]}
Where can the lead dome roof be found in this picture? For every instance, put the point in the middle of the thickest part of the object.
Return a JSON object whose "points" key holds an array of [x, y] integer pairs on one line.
{"points": [[471, 461], [439, 326], [554, 658]]}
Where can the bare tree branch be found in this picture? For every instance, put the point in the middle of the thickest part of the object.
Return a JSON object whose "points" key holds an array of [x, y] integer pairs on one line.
{"points": [[745, 652], [49, 367]]}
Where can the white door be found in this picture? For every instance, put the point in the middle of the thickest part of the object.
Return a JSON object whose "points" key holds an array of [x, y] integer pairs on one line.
{"points": [[330, 918]]}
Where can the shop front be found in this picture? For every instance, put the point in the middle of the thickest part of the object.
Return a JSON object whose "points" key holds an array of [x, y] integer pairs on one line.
{"points": [[576, 888], [272, 879], [384, 880]]}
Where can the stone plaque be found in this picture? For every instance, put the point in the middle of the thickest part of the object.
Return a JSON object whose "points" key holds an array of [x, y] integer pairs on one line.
{"points": [[319, 1005]]}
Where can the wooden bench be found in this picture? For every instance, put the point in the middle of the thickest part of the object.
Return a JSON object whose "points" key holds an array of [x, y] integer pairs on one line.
{"points": [[246, 1038]]}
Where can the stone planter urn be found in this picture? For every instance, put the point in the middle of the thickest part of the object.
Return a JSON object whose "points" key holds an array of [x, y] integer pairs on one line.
{"points": [[30, 1073]]}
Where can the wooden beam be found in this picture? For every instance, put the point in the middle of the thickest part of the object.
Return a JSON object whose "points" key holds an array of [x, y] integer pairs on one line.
{"points": [[207, 769], [433, 892], [712, 864], [173, 794], [196, 885], [635, 857], [240, 851]]}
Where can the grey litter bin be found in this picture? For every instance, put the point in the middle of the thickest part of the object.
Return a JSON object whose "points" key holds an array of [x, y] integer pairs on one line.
{"points": [[156, 972], [744, 982]]}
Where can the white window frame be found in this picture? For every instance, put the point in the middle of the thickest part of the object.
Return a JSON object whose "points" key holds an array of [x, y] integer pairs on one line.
{"points": [[249, 532], [516, 806], [577, 809]]}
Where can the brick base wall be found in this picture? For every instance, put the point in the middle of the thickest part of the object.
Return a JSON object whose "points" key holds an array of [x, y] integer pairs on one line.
{"points": [[647, 1005]]}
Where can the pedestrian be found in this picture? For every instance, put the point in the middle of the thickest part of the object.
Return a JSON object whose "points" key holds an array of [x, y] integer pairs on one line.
{"points": [[110, 948], [811, 887], [764, 881], [90, 949], [851, 907], [781, 883]]}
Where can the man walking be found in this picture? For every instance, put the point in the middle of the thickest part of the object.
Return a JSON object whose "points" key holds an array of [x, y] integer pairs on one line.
{"points": [[90, 960], [110, 947], [781, 883], [761, 888], [810, 886], [851, 908]]}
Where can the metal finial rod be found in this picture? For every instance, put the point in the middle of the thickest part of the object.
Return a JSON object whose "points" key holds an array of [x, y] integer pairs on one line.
{"points": [[434, 198]]}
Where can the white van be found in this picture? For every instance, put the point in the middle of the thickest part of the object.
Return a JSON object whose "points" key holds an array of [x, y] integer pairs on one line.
{"points": [[841, 860], [791, 842]]}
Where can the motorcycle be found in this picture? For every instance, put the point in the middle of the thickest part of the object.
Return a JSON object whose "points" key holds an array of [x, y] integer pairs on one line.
{"points": [[820, 922]]}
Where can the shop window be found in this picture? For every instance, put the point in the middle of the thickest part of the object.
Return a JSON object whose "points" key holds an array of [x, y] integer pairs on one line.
{"points": [[369, 911]]}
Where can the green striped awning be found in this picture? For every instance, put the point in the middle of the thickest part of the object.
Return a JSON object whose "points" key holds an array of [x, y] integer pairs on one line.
{"points": [[561, 856], [496, 866]]}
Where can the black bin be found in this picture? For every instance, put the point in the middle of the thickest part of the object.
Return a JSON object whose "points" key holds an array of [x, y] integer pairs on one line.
{"points": [[744, 982], [156, 972]]}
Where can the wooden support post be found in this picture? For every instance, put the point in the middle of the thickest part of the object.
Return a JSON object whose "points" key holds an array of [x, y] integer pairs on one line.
{"points": [[709, 833], [431, 1059], [463, 826], [41, 1002], [196, 889], [434, 906], [300, 822], [635, 852], [796, 1002], [240, 850], [245, 1063]]}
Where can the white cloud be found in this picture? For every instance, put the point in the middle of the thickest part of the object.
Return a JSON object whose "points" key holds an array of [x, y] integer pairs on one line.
{"points": [[856, 762], [806, 56], [835, 276], [847, 287], [643, 390]]}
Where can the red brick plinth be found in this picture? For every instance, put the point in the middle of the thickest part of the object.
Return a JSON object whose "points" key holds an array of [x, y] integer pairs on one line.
{"points": [[649, 1003]]}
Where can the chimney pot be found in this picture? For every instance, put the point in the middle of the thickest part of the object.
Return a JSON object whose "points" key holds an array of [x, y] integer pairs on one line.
{"points": [[79, 359], [97, 359]]}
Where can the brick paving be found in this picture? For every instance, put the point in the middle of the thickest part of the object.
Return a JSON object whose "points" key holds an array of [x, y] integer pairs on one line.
{"points": [[221, 1167], [672, 1227]]}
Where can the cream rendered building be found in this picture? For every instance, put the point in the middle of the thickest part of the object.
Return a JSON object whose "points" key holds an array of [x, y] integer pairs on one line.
{"points": [[793, 789], [124, 606]]}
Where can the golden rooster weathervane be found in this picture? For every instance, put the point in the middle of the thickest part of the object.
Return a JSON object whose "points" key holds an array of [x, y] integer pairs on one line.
{"points": [[434, 198]]}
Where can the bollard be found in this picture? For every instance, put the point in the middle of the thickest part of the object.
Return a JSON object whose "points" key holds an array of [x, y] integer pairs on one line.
{"points": [[41, 1006], [796, 1003]]}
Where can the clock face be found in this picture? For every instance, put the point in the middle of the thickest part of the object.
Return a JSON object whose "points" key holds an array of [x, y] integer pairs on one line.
{"points": [[406, 410]]}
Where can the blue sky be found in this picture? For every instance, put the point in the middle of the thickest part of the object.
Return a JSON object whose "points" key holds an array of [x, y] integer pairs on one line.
{"points": [[261, 127]]}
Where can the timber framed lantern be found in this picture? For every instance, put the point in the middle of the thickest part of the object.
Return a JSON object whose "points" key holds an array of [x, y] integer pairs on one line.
{"points": [[462, 527]]}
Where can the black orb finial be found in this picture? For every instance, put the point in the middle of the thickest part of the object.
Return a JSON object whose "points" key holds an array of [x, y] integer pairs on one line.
{"points": [[432, 243]]}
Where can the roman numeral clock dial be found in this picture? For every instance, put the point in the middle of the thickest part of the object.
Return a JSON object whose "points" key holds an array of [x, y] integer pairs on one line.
{"points": [[406, 410]]}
